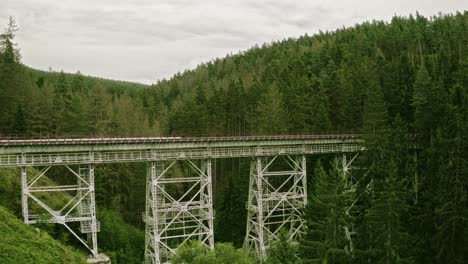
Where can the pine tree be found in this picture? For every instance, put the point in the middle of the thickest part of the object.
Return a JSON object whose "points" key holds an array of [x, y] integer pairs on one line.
{"points": [[449, 154], [42, 122], [61, 104], [271, 115], [327, 218], [318, 118], [11, 54], [10, 77], [20, 126], [375, 131], [78, 84], [430, 101], [216, 115], [235, 109], [75, 123], [99, 111], [390, 241], [283, 251], [188, 118], [421, 102]]}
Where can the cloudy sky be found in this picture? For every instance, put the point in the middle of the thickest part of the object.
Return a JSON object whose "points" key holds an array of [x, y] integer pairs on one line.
{"points": [[145, 40]]}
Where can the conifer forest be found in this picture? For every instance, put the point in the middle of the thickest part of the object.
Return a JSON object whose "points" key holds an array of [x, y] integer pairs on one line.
{"points": [[401, 84]]}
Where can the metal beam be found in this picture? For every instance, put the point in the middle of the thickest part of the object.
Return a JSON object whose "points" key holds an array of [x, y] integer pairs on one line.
{"points": [[276, 197], [275, 204], [79, 208], [40, 152], [350, 185], [127, 154], [172, 217]]}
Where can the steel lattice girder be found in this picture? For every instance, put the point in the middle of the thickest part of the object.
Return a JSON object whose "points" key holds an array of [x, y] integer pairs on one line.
{"points": [[67, 152], [350, 184], [79, 208], [70, 152], [173, 219], [270, 207]]}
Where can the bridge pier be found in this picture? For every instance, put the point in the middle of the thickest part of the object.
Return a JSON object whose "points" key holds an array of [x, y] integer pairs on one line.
{"points": [[173, 217], [275, 202], [346, 161], [79, 205], [350, 187]]}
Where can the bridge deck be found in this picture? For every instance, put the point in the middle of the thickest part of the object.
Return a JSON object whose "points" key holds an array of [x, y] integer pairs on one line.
{"points": [[42, 152]]}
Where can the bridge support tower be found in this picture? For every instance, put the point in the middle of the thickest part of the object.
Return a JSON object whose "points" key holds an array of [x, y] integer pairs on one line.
{"points": [[350, 186], [65, 204], [175, 216], [276, 200]]}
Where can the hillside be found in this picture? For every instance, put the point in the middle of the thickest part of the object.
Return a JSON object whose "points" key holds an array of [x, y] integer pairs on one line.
{"points": [[390, 81], [114, 86], [122, 242], [21, 243], [313, 84]]}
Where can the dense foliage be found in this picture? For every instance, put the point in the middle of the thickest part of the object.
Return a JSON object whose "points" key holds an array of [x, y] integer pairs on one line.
{"points": [[402, 84], [20, 243], [194, 252]]}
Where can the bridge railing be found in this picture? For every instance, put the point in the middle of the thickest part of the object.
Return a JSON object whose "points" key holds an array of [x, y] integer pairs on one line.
{"points": [[38, 159]]}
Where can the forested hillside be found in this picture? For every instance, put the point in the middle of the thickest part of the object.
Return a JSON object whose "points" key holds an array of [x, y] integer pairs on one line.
{"points": [[403, 84], [25, 244], [20, 243]]}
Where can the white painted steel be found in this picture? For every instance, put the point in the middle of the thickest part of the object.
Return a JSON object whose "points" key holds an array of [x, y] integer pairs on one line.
{"points": [[272, 208], [80, 207], [172, 219], [147, 155]]}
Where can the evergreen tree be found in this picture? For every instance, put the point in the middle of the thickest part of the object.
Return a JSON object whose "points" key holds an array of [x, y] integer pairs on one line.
{"points": [[61, 105], [10, 54], [235, 109], [10, 77], [78, 84], [327, 219], [75, 123], [390, 241], [271, 116], [318, 119], [99, 112], [188, 118], [283, 251], [42, 114], [194, 252], [421, 102], [20, 126]]}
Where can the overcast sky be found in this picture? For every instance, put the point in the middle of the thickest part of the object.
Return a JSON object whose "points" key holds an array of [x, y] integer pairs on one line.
{"points": [[145, 40]]}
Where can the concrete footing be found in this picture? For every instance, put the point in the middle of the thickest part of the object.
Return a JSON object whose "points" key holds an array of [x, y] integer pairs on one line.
{"points": [[100, 259]]}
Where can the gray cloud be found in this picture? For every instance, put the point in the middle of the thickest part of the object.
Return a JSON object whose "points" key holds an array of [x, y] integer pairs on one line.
{"points": [[145, 40]]}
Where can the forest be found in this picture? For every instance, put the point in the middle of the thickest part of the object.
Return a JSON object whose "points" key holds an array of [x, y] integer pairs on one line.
{"points": [[401, 84]]}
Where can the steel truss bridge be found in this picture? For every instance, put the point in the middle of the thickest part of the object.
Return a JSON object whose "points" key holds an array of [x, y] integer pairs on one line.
{"points": [[277, 194]]}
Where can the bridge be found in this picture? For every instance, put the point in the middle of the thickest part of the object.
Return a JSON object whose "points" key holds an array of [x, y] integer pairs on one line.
{"points": [[277, 185]]}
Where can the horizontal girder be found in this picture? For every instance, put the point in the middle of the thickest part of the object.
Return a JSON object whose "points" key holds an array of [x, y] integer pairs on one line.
{"points": [[169, 140], [14, 156]]}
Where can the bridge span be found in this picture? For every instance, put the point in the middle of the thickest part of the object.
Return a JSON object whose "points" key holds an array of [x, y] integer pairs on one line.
{"points": [[277, 185]]}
